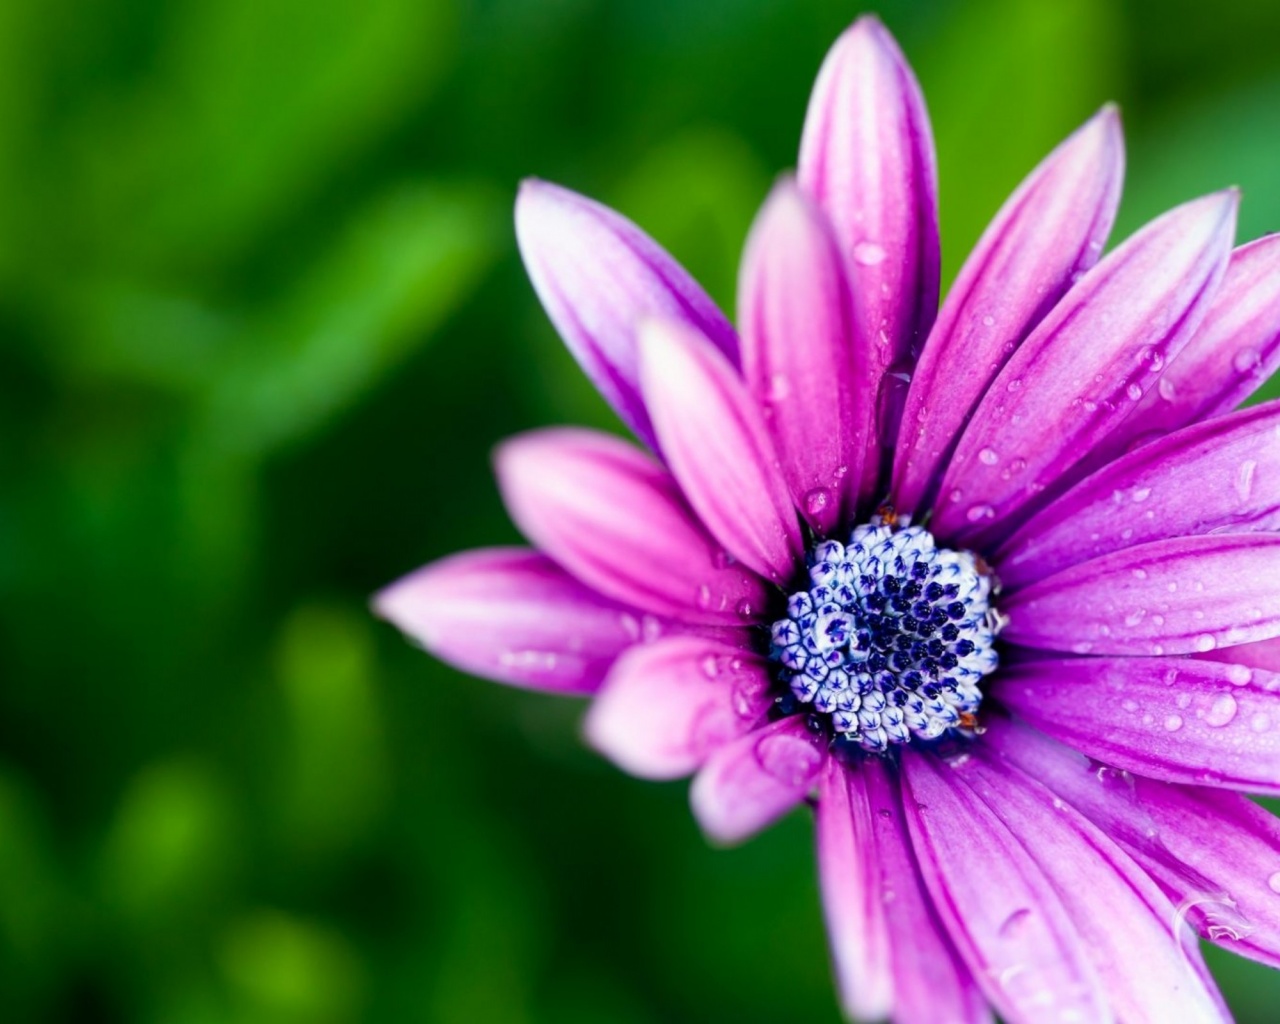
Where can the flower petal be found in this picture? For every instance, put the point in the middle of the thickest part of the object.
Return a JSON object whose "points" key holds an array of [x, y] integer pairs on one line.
{"points": [[1076, 378], [867, 158], [1049, 231], [514, 616], [1187, 720], [1215, 854], [616, 520], [1004, 916], [799, 356], [853, 884], [718, 449], [1236, 350], [1121, 914], [1172, 596], [754, 780], [665, 707], [598, 275], [1212, 477], [892, 956]]}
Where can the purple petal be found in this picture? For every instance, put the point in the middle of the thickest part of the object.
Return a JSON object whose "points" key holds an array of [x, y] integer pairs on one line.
{"points": [[1076, 378], [1172, 596], [867, 158], [1213, 477], [1187, 720], [798, 355], [514, 616], [928, 982], [616, 520], [853, 885], [598, 276], [665, 707], [1215, 854], [1121, 915], [1261, 654], [1051, 230], [718, 449], [1236, 350], [999, 909], [754, 780]]}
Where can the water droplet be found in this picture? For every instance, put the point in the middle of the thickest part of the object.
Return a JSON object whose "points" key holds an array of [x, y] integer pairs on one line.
{"points": [[1129, 705], [1221, 711], [1239, 675], [977, 513], [745, 609], [1014, 384], [779, 388], [1139, 574], [630, 625], [1205, 642], [650, 628], [710, 666], [1167, 390], [1141, 493], [1273, 883], [1260, 722], [988, 457], [1014, 922], [789, 759], [1244, 479], [1183, 701], [1246, 360], [704, 596], [816, 500], [1134, 392], [1173, 723], [868, 254], [988, 321]]}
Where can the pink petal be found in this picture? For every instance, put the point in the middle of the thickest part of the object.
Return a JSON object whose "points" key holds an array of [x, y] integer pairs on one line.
{"points": [[1214, 853], [1004, 916], [616, 520], [754, 780], [513, 616], [1080, 373], [892, 956], [718, 449], [1121, 915], [799, 355], [665, 707], [1236, 350], [598, 275], [867, 158], [852, 880], [1172, 596], [1186, 720], [1214, 477], [1050, 231]]}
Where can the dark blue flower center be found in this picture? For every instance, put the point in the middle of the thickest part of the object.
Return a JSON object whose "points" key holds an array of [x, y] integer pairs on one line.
{"points": [[891, 639]]}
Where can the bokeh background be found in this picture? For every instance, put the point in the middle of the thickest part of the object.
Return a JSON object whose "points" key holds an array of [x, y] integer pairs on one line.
{"points": [[261, 321]]}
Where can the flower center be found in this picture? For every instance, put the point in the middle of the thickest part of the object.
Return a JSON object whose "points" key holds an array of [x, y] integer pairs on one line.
{"points": [[891, 639]]}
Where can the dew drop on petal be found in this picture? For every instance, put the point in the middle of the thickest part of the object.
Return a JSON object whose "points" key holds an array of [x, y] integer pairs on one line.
{"points": [[1244, 479], [710, 666], [1205, 642], [1273, 883], [1239, 675], [1134, 392], [1246, 360], [977, 513], [988, 457], [868, 254], [789, 759], [704, 597], [745, 609], [1221, 711], [1173, 723], [816, 500], [1260, 722]]}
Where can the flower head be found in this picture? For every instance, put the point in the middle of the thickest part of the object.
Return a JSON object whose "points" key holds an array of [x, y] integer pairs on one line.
{"points": [[997, 582]]}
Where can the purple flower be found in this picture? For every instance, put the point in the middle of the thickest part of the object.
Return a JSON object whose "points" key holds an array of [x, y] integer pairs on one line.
{"points": [[997, 583]]}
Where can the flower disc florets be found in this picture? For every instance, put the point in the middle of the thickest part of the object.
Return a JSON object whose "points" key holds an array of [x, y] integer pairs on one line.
{"points": [[892, 637]]}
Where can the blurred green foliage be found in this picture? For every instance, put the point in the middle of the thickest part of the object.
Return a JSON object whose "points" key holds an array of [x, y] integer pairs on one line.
{"points": [[261, 320]]}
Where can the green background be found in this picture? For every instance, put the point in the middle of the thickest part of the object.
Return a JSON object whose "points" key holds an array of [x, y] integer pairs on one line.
{"points": [[261, 321]]}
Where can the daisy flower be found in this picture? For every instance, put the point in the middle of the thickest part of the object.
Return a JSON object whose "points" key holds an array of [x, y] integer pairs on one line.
{"points": [[995, 587]]}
